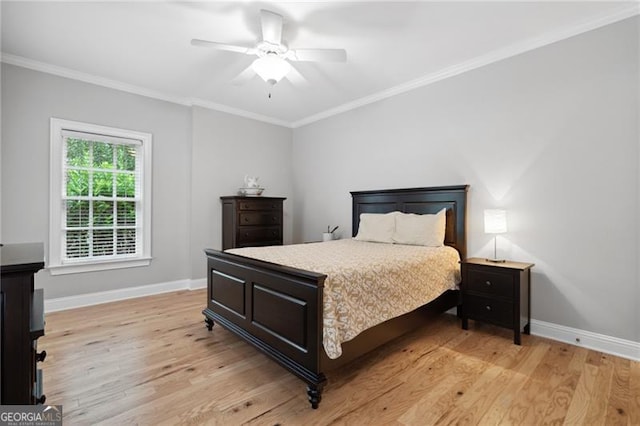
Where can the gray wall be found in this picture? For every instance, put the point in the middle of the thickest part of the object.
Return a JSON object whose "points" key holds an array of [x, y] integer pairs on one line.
{"points": [[550, 135], [198, 155], [29, 100], [225, 149]]}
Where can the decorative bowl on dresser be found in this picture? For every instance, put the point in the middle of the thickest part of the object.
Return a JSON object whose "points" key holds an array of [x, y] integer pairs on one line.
{"points": [[251, 221], [21, 324], [498, 293]]}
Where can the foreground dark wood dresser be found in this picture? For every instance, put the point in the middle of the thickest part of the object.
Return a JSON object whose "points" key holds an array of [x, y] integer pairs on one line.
{"points": [[497, 293], [251, 221], [22, 323]]}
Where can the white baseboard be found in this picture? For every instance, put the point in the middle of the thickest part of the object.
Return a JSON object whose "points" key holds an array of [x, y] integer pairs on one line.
{"points": [[599, 342], [71, 302], [586, 339], [198, 284]]}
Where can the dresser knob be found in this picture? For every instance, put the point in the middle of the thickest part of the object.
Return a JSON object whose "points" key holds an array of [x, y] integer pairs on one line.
{"points": [[246, 234], [488, 308], [246, 219], [488, 283], [41, 356]]}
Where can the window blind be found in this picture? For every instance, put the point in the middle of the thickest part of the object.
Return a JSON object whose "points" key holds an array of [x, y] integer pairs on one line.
{"points": [[101, 196]]}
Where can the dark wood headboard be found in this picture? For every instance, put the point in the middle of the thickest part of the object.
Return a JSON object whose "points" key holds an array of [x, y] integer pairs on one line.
{"points": [[421, 201]]}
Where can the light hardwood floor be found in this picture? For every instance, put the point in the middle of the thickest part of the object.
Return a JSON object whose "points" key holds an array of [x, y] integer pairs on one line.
{"points": [[151, 361]]}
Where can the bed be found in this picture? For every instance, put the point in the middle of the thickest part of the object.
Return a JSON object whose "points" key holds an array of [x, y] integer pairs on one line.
{"points": [[279, 309]]}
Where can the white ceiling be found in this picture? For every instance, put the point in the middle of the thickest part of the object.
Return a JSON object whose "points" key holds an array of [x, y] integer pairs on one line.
{"points": [[392, 47]]}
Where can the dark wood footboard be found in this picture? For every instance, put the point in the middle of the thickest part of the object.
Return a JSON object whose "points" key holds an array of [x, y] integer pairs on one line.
{"points": [[275, 308]]}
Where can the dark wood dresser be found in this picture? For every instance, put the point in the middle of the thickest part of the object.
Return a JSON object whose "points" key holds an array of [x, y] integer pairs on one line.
{"points": [[251, 221], [22, 323]]}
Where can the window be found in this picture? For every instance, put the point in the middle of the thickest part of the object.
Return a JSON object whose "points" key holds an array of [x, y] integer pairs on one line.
{"points": [[100, 198]]}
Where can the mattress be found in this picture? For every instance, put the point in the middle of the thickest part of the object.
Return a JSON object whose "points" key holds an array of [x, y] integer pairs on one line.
{"points": [[367, 283]]}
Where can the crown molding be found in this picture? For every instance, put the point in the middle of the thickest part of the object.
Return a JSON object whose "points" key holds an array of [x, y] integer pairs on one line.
{"points": [[130, 88], [20, 61], [480, 61], [236, 111]]}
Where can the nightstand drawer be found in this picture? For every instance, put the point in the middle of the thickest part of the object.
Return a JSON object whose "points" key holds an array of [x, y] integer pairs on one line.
{"points": [[487, 309], [482, 281], [260, 218]]}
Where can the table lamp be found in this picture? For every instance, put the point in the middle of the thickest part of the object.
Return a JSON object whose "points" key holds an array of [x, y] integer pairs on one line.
{"points": [[495, 222]]}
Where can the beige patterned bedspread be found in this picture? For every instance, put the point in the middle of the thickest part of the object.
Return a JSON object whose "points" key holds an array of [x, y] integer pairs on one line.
{"points": [[367, 283]]}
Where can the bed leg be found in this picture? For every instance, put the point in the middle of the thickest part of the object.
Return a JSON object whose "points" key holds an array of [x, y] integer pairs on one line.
{"points": [[315, 395], [209, 323]]}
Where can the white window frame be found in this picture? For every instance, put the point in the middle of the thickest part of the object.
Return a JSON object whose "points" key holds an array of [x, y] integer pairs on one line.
{"points": [[55, 261]]}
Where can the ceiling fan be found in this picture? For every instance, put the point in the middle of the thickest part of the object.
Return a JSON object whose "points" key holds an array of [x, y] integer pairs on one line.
{"points": [[273, 54]]}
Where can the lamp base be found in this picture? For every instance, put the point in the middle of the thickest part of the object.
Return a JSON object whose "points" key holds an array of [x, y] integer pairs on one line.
{"points": [[496, 260]]}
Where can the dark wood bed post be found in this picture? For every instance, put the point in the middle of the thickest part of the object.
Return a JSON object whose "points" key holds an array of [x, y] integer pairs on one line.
{"points": [[209, 323], [315, 394], [278, 309]]}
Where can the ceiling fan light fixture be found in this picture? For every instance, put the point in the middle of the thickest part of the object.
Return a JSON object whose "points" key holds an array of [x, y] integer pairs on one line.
{"points": [[271, 68], [273, 54]]}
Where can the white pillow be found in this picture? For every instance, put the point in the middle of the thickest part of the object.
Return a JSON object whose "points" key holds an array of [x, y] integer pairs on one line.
{"points": [[377, 227], [420, 229]]}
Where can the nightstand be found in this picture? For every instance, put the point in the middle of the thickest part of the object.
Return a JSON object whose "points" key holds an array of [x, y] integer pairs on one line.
{"points": [[497, 293]]}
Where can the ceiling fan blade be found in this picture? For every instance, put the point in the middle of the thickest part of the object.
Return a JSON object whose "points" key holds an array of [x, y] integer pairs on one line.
{"points": [[271, 27], [319, 55], [244, 76], [222, 46], [296, 78]]}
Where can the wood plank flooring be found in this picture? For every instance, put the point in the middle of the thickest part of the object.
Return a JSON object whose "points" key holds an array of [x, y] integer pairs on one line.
{"points": [[151, 361]]}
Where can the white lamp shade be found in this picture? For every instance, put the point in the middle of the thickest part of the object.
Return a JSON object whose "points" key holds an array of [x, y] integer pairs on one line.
{"points": [[271, 68], [495, 221]]}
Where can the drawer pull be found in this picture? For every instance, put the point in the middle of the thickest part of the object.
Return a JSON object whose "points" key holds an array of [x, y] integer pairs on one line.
{"points": [[488, 283], [41, 356], [488, 308], [246, 219], [246, 234], [274, 233]]}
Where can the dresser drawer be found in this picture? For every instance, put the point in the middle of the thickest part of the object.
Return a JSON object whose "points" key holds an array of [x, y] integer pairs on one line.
{"points": [[259, 205], [260, 218], [248, 235], [498, 312], [481, 281]]}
